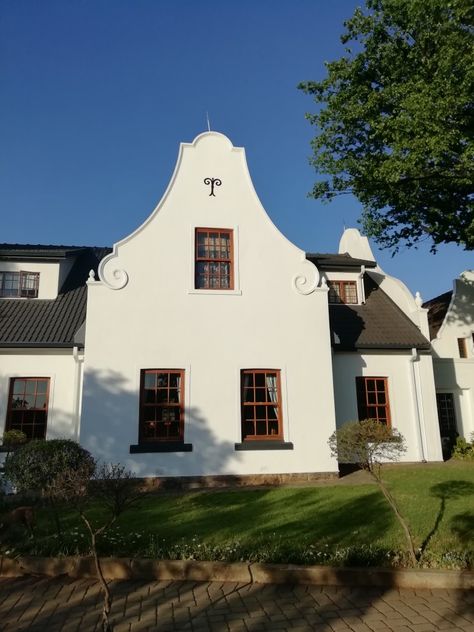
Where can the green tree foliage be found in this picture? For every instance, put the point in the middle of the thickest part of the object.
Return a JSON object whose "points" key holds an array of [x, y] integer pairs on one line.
{"points": [[395, 121], [33, 466]]}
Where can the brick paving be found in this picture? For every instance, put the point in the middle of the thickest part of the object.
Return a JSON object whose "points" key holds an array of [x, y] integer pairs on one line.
{"points": [[64, 604]]}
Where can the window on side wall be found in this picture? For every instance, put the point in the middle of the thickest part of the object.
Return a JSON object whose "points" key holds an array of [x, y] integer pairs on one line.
{"points": [[372, 399], [261, 404], [462, 347], [28, 406], [162, 405], [446, 414], [19, 284], [214, 259], [342, 292]]}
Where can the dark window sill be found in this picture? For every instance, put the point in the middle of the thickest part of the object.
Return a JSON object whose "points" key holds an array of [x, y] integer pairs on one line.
{"points": [[165, 446], [264, 445]]}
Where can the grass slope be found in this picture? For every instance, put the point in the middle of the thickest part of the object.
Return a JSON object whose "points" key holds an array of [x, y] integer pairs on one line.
{"points": [[304, 524]]}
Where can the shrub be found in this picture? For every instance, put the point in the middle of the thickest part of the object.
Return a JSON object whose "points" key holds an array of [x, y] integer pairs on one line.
{"points": [[463, 450], [34, 466], [13, 438]]}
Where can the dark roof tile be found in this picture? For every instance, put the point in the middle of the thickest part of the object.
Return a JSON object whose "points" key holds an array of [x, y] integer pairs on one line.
{"points": [[378, 324], [34, 322], [328, 261]]}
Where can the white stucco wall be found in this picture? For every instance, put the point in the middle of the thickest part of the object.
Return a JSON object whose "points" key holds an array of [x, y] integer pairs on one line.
{"points": [[59, 366], [158, 320], [454, 374], [411, 396]]}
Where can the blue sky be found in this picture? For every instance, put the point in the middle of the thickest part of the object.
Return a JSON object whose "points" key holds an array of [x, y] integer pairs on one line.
{"points": [[96, 95]]}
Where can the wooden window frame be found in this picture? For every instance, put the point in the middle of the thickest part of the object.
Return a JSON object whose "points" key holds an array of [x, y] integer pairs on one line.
{"points": [[254, 403], [342, 292], [462, 348], [364, 405], [11, 410], [22, 276], [142, 438], [229, 261]]}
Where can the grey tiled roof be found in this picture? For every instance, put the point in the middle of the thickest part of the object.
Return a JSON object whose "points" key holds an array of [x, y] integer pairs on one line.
{"points": [[378, 324], [328, 261], [437, 310], [37, 251], [35, 322]]}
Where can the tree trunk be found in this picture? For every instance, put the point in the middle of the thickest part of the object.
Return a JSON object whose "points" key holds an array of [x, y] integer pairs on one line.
{"points": [[107, 603], [406, 530]]}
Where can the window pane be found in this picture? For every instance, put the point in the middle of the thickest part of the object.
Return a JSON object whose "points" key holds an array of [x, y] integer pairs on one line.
{"points": [[260, 412], [150, 380], [260, 395], [350, 292], [162, 380], [248, 379], [162, 396], [174, 380], [30, 387], [174, 396], [273, 427], [40, 401], [259, 379], [249, 412], [149, 396], [248, 395], [19, 386], [247, 429]]}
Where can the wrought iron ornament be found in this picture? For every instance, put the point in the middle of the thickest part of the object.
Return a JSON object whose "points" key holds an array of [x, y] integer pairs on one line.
{"points": [[214, 182]]}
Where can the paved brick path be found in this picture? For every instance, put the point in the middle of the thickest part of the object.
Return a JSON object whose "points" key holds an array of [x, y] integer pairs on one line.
{"points": [[69, 605]]}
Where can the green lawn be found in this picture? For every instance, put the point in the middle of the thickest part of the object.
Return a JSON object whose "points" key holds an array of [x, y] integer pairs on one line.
{"points": [[330, 523]]}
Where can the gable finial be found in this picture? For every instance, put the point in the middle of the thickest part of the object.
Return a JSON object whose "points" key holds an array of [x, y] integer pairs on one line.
{"points": [[208, 122]]}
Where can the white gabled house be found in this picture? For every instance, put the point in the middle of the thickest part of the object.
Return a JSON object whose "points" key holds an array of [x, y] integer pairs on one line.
{"points": [[451, 318], [211, 345]]}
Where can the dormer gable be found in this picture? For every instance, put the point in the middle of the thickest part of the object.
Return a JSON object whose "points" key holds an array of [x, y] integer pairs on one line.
{"points": [[33, 271]]}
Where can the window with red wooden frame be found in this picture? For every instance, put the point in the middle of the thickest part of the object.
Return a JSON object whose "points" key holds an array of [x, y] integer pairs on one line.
{"points": [[372, 399], [261, 404], [162, 405], [342, 292], [28, 406], [214, 259], [19, 284]]}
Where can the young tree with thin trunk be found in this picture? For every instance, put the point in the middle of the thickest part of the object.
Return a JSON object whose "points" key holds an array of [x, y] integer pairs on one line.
{"points": [[116, 490], [369, 444]]}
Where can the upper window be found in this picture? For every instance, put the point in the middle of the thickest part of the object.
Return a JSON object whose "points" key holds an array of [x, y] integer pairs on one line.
{"points": [[372, 399], [261, 404], [462, 347], [214, 259], [19, 284], [342, 292], [28, 406], [162, 405]]}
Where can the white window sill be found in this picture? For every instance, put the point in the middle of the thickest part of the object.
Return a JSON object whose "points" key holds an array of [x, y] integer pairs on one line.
{"points": [[219, 292]]}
